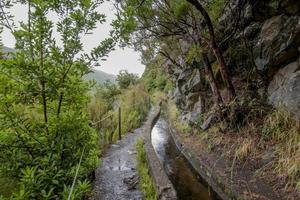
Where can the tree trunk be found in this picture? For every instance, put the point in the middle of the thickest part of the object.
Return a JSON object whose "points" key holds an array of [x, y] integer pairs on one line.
{"points": [[223, 68], [43, 85], [29, 30], [224, 71], [60, 100], [61, 96], [212, 82]]}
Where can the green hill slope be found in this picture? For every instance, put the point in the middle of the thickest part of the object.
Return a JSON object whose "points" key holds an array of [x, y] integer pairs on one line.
{"points": [[5, 49], [99, 76]]}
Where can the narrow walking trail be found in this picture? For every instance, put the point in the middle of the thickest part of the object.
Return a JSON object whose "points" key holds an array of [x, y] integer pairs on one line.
{"points": [[117, 177]]}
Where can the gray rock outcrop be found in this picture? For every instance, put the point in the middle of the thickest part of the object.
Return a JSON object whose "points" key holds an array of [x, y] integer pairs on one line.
{"points": [[284, 89], [261, 36], [278, 43]]}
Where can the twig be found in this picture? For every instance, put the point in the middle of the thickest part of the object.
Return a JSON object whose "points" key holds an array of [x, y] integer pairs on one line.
{"points": [[76, 174]]}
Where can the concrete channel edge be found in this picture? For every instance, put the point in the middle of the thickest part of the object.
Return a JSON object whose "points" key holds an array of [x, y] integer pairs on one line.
{"points": [[164, 188], [204, 171]]}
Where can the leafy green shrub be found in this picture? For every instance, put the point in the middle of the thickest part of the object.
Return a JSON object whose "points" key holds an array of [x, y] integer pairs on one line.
{"points": [[135, 105], [125, 79], [103, 104], [44, 124], [79, 191], [8, 185], [155, 79], [45, 162]]}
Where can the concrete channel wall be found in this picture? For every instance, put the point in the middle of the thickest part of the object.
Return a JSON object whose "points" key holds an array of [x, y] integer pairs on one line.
{"points": [[164, 188], [216, 183]]}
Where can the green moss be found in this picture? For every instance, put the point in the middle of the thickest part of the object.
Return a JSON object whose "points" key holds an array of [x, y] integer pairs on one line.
{"points": [[215, 8], [8, 185]]}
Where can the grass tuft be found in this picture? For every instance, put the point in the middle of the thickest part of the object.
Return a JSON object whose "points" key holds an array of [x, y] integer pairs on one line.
{"points": [[146, 183], [134, 103], [245, 149], [173, 116], [284, 130]]}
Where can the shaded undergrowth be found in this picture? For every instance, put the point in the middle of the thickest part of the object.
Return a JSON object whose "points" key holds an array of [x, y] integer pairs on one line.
{"points": [[270, 142]]}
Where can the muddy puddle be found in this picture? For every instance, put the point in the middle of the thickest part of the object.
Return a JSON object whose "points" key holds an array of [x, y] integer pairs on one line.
{"points": [[187, 184]]}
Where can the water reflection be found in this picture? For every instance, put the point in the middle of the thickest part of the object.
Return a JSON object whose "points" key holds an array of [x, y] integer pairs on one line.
{"points": [[159, 138], [187, 185]]}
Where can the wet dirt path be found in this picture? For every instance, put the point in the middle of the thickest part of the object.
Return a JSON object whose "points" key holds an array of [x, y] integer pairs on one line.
{"points": [[117, 177]]}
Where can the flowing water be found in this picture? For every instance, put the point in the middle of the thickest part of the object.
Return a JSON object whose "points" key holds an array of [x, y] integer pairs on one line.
{"points": [[185, 181]]}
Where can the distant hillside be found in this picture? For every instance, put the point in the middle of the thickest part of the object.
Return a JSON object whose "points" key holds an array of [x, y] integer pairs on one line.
{"points": [[5, 49], [100, 76]]}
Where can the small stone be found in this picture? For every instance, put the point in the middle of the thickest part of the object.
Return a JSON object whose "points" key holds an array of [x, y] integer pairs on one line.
{"points": [[207, 123], [131, 152]]}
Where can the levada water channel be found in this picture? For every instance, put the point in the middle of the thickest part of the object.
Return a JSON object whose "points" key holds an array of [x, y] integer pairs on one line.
{"points": [[187, 183]]}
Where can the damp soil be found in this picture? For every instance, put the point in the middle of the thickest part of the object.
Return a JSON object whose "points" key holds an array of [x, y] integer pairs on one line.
{"points": [[235, 179], [187, 183], [117, 177]]}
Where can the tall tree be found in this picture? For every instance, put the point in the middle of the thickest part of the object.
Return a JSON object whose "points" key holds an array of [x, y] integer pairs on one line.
{"points": [[213, 44], [125, 79], [44, 125], [170, 23]]}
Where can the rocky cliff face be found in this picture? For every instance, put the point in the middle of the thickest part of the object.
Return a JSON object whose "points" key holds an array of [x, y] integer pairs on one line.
{"points": [[261, 44]]}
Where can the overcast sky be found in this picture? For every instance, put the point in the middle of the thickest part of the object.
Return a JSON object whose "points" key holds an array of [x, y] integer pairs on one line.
{"points": [[119, 59]]}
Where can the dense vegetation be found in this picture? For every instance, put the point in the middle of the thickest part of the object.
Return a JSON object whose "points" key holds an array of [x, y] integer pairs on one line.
{"points": [[179, 39], [44, 124], [45, 120], [125, 79], [50, 118], [104, 110], [155, 78]]}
